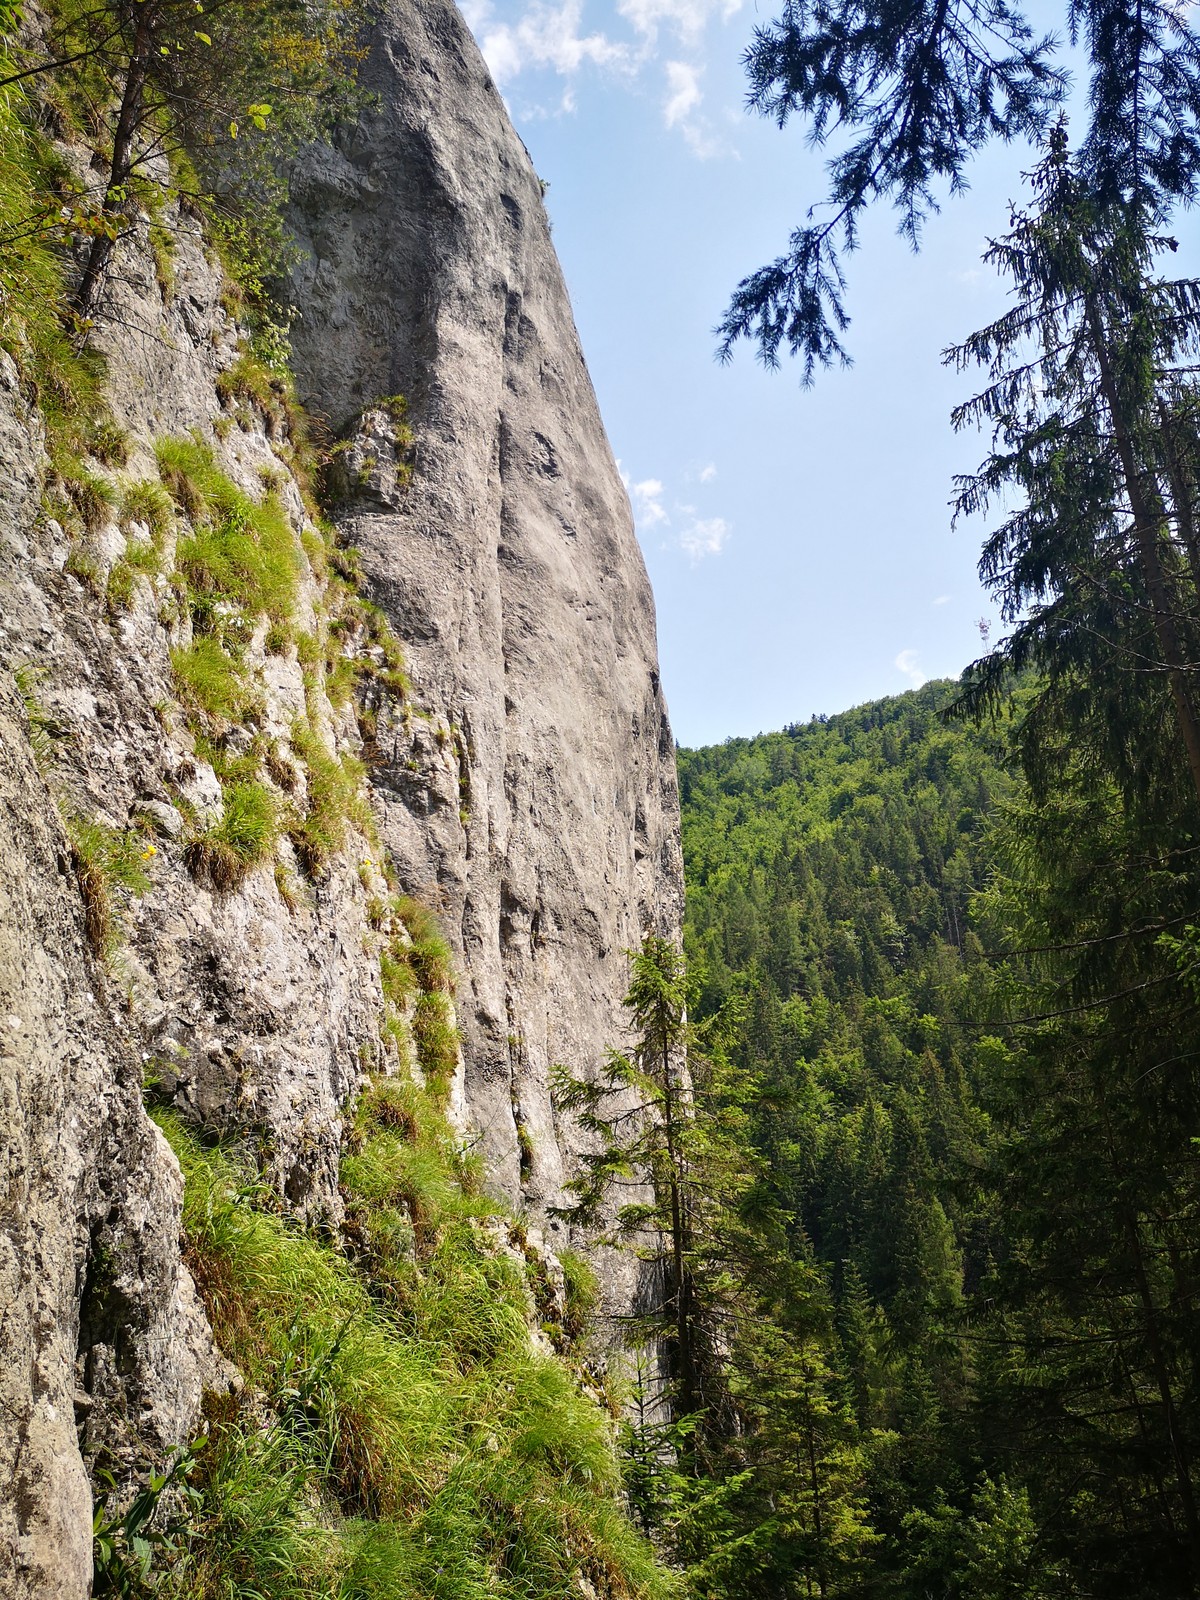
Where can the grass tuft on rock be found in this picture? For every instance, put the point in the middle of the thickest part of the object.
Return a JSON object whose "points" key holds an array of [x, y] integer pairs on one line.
{"points": [[409, 1440], [244, 838], [110, 869]]}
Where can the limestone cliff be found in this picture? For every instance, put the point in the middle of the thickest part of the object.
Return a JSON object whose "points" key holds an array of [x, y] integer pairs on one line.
{"points": [[509, 567], [525, 789]]}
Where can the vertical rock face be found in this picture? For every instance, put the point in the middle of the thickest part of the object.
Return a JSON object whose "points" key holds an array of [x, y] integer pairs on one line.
{"points": [[100, 1326], [547, 831], [530, 798]]}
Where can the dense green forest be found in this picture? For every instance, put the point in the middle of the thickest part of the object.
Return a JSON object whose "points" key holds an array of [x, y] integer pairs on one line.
{"points": [[955, 1024]]}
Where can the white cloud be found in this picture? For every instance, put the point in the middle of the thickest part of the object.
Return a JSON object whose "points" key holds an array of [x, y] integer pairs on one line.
{"points": [[519, 36], [942, 600], [545, 36], [683, 99], [907, 662], [648, 509], [700, 536], [708, 473], [685, 19], [705, 538], [683, 92]]}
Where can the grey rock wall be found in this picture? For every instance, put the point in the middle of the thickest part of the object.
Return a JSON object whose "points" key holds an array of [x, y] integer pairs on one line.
{"points": [[530, 797], [101, 1332], [509, 567]]}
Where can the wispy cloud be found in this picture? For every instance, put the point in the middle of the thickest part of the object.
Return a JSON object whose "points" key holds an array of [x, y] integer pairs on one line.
{"points": [[521, 36], [708, 473], [545, 36], [683, 92], [942, 600], [705, 538], [908, 662], [698, 537], [648, 509]]}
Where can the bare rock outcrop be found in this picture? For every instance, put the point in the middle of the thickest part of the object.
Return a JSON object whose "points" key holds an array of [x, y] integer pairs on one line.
{"points": [[526, 790], [548, 831], [100, 1327]]}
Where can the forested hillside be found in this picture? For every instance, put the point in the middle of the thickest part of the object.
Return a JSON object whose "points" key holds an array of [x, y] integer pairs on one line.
{"points": [[961, 1329]]}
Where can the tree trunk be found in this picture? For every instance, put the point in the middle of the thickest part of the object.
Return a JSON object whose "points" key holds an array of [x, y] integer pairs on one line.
{"points": [[121, 170], [1148, 519]]}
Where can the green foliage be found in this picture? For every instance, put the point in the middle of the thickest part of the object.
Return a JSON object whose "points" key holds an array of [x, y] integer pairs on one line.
{"points": [[405, 1399], [93, 497], [244, 838], [836, 967], [1089, 390], [915, 91], [436, 1039], [210, 682], [148, 502], [582, 1291], [34, 185], [110, 868], [44, 729], [333, 801], [126, 1546], [241, 551], [261, 77]]}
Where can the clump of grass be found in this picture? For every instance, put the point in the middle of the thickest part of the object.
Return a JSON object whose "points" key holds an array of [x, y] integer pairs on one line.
{"points": [[110, 869], [211, 682], [334, 801], [397, 979], [149, 503], [120, 588], [242, 551], [429, 954], [108, 442], [85, 568], [290, 890], [244, 838], [436, 1039], [163, 250], [581, 1291], [93, 497], [249, 379], [44, 729]]}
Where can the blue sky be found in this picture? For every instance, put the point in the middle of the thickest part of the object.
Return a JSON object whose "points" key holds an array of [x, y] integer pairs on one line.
{"points": [[799, 541]]}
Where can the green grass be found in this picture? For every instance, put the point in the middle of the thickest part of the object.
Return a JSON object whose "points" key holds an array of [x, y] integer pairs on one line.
{"points": [[241, 551], [413, 1444], [35, 183], [582, 1293], [435, 1038], [149, 503], [211, 682], [334, 801], [93, 497], [429, 955], [244, 838], [110, 868]]}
